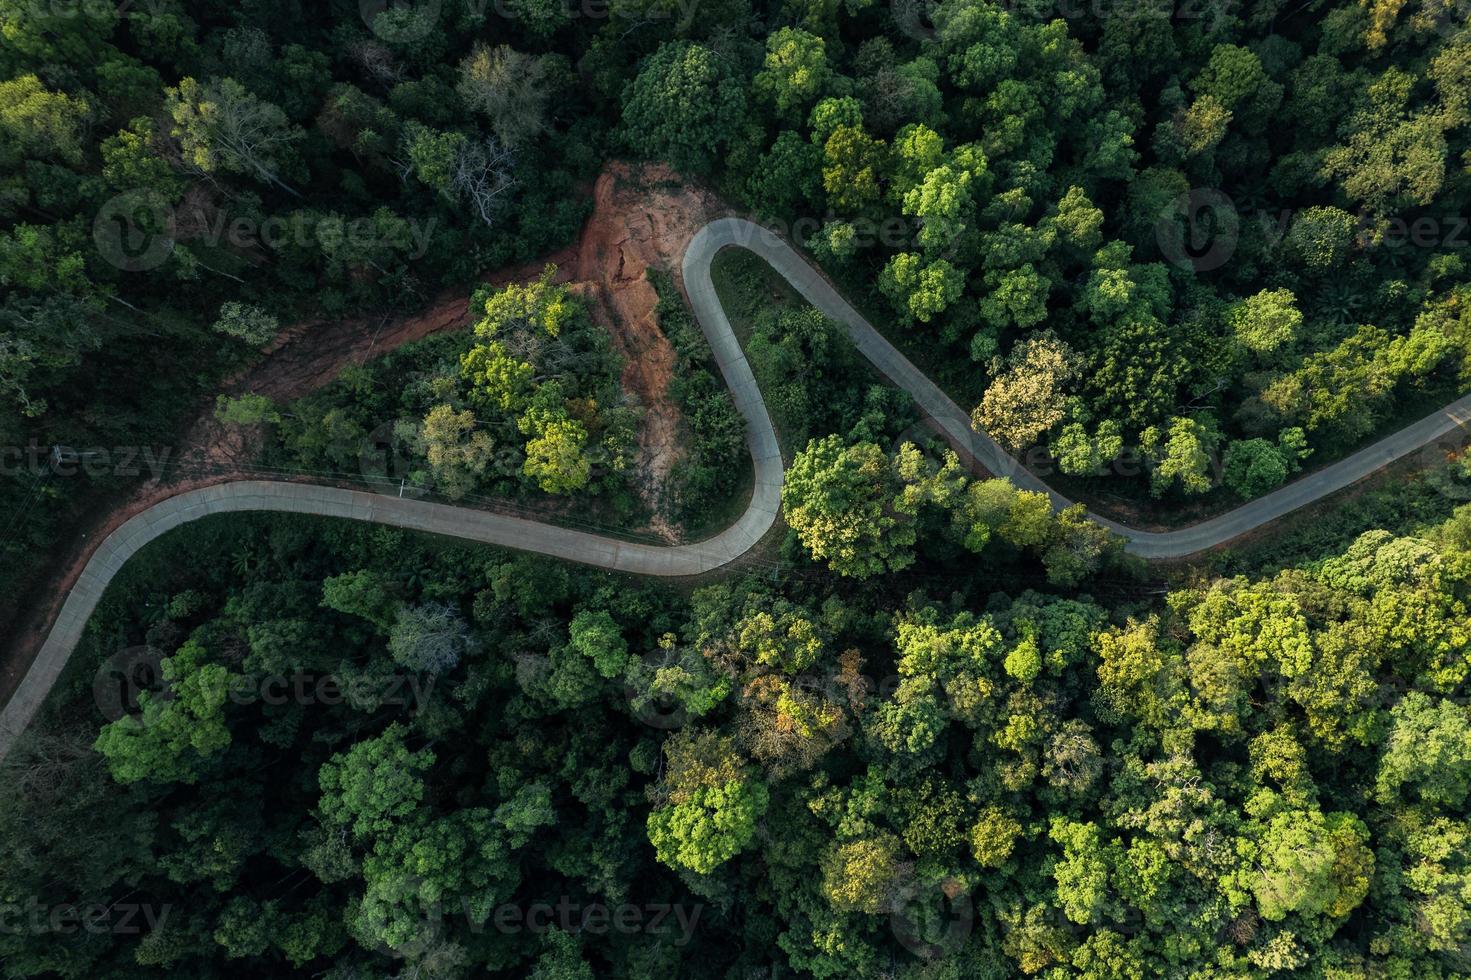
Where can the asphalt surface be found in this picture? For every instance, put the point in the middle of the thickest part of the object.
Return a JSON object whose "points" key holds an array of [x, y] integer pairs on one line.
{"points": [[699, 557], [959, 432]]}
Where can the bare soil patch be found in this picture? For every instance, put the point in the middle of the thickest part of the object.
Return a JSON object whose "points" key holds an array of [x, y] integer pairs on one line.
{"points": [[643, 218]]}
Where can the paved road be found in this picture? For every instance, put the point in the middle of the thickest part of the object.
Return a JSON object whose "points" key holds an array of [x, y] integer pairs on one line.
{"points": [[679, 560], [958, 431]]}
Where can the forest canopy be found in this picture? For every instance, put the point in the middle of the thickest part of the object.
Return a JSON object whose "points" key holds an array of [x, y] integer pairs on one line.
{"points": [[933, 730]]}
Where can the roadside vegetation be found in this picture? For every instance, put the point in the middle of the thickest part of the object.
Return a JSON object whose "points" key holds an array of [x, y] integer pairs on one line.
{"points": [[1266, 773], [936, 731]]}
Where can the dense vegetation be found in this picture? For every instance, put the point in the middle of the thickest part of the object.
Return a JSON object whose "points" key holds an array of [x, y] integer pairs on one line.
{"points": [[936, 730], [178, 180], [528, 401], [920, 775], [1189, 248], [1197, 250]]}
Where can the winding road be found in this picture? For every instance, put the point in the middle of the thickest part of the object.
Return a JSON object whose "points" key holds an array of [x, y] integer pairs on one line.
{"points": [[689, 559]]}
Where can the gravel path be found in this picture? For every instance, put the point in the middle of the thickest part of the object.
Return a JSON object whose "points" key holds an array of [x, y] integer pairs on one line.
{"points": [[689, 559]]}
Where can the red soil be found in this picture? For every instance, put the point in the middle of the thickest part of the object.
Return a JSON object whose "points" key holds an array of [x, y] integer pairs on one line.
{"points": [[643, 217]]}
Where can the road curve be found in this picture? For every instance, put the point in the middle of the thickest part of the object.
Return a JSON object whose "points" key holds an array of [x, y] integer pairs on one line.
{"points": [[958, 431], [675, 560]]}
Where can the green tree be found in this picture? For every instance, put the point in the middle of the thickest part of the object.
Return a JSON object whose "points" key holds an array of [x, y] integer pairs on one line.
{"points": [[789, 176], [840, 500], [1018, 298], [36, 123], [556, 457], [1181, 452], [1320, 238], [994, 836], [596, 636], [944, 206], [366, 593], [246, 409], [795, 71], [1265, 322], [1252, 467], [1081, 454], [1311, 863], [918, 289], [1077, 546], [714, 802], [853, 164], [1027, 395], [375, 784], [860, 875], [180, 726], [1082, 874], [250, 324], [1238, 83], [1429, 751], [684, 106], [222, 127], [1392, 156]]}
